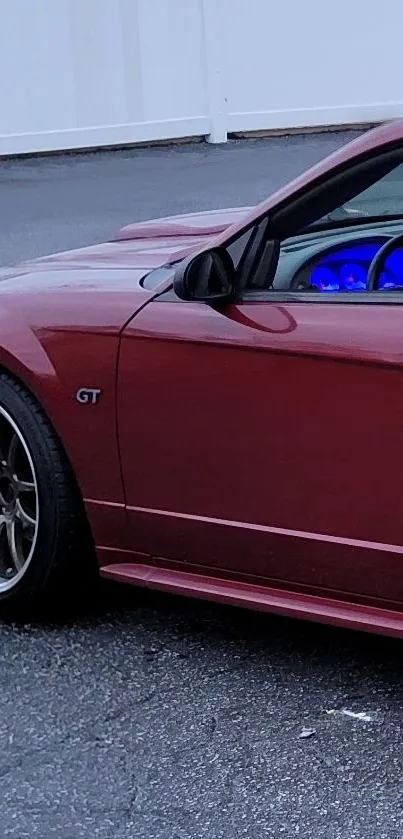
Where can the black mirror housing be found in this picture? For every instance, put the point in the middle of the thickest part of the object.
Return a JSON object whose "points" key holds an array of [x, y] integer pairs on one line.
{"points": [[207, 277]]}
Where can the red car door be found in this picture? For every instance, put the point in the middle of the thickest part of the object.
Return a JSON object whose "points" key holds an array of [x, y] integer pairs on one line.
{"points": [[265, 440]]}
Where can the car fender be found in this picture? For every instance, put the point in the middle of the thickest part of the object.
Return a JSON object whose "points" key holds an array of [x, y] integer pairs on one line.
{"points": [[42, 361]]}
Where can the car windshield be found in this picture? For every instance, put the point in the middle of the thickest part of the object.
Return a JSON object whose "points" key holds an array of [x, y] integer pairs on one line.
{"points": [[384, 199]]}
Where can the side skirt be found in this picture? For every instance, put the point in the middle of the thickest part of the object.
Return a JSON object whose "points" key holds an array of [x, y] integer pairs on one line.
{"points": [[290, 604]]}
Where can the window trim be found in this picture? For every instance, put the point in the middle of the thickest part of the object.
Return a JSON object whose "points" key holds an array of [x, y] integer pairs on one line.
{"points": [[363, 298], [334, 298]]}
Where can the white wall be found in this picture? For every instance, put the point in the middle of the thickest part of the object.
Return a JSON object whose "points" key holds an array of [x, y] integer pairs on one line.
{"points": [[78, 73], [311, 62]]}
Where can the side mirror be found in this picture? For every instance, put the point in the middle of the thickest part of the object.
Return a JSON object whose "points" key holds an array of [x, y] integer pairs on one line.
{"points": [[208, 277]]}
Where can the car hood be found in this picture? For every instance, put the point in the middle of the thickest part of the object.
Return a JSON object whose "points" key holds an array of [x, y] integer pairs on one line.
{"points": [[101, 286], [145, 245]]}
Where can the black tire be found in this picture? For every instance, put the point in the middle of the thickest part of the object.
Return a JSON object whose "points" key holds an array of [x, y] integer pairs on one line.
{"points": [[62, 550]]}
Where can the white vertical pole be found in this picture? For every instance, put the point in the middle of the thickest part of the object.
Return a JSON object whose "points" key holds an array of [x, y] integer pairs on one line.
{"points": [[214, 46]]}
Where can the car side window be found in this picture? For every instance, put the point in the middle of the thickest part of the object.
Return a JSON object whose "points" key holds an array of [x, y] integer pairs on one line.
{"points": [[306, 265]]}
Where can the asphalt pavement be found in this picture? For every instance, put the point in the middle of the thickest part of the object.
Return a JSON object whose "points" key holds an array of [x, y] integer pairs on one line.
{"points": [[145, 716]]}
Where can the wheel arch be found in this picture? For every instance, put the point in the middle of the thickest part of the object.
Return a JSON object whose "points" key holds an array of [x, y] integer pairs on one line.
{"points": [[26, 382]]}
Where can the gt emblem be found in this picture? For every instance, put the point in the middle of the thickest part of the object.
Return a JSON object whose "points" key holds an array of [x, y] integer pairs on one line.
{"points": [[88, 395]]}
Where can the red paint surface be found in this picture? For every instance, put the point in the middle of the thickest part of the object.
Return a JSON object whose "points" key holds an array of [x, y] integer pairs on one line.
{"points": [[261, 598], [261, 443], [273, 442]]}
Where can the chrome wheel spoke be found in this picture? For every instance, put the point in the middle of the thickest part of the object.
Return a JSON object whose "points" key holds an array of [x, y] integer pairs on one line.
{"points": [[23, 486], [12, 451], [24, 517], [14, 545]]}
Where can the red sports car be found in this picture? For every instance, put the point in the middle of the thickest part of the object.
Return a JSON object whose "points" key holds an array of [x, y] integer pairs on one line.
{"points": [[212, 404]]}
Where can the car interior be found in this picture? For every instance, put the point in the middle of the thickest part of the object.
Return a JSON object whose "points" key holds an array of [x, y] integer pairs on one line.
{"points": [[342, 237]]}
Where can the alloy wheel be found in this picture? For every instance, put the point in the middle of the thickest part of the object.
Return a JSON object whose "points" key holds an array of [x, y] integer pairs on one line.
{"points": [[19, 504]]}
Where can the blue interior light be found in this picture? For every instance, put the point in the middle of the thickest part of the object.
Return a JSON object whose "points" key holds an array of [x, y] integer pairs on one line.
{"points": [[324, 278], [353, 276], [346, 269]]}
